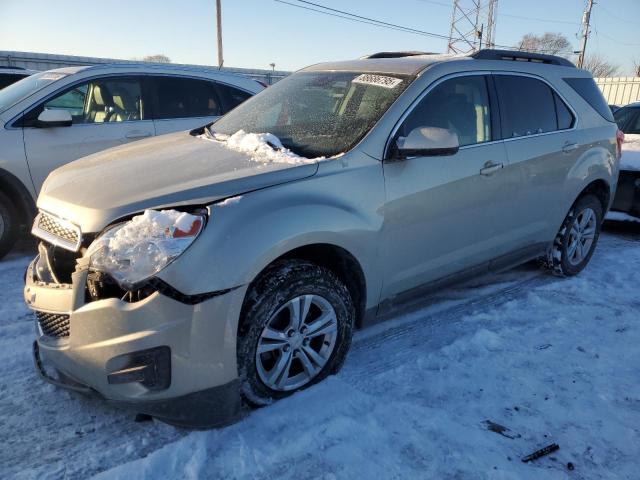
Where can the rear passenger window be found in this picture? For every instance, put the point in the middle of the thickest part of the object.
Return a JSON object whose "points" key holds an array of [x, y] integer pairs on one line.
{"points": [[460, 105], [565, 117], [589, 91], [527, 106], [186, 97], [232, 96]]}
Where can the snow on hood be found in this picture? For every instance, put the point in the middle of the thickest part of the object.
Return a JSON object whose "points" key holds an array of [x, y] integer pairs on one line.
{"points": [[262, 147], [162, 172], [630, 152]]}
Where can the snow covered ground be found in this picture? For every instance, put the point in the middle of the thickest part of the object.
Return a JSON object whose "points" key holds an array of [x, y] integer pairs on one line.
{"points": [[554, 360]]}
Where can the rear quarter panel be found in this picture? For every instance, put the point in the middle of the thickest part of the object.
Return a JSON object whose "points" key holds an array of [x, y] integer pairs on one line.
{"points": [[597, 158]]}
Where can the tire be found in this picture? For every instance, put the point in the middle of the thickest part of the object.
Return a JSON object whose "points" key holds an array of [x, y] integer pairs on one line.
{"points": [[287, 287], [9, 225], [569, 253]]}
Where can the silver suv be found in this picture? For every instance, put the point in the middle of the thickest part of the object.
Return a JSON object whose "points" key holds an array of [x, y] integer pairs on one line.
{"points": [[51, 118], [188, 275]]}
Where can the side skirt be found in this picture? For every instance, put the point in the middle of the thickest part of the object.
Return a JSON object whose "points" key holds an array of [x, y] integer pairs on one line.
{"points": [[420, 296]]}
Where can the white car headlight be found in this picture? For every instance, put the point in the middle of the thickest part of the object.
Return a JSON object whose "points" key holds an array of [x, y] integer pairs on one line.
{"points": [[138, 249]]}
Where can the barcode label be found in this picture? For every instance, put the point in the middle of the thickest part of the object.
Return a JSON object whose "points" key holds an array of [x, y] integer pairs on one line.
{"points": [[379, 80]]}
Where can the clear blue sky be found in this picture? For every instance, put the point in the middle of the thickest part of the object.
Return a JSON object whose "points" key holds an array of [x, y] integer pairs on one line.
{"points": [[258, 32]]}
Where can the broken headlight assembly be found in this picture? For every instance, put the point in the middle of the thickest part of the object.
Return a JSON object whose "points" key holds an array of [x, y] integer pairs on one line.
{"points": [[133, 251]]}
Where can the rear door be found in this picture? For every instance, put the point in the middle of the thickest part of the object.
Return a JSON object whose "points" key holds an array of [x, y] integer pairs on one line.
{"points": [[106, 112], [542, 145], [183, 103], [447, 214]]}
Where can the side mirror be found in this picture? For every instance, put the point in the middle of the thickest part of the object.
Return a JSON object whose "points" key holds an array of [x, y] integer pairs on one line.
{"points": [[54, 118], [426, 142]]}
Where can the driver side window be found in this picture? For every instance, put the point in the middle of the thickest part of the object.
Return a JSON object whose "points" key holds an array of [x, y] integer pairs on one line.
{"points": [[102, 100], [460, 105]]}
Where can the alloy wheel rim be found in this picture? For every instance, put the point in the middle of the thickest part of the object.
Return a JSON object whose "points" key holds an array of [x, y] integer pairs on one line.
{"points": [[581, 236], [296, 343]]}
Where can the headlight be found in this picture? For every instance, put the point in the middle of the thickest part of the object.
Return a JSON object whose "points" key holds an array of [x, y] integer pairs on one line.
{"points": [[138, 249]]}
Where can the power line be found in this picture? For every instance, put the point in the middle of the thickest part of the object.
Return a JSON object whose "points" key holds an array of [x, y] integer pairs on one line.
{"points": [[373, 22], [613, 15], [598, 32], [415, 30], [521, 17], [376, 23]]}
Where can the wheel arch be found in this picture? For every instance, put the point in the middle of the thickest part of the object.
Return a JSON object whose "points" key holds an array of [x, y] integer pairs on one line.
{"points": [[338, 260], [601, 190], [18, 193]]}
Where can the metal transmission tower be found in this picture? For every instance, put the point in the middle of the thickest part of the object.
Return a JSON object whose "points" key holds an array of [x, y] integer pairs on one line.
{"points": [[473, 25]]}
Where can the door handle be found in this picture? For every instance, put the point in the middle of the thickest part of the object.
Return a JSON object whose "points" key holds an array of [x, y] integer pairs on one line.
{"points": [[490, 168], [138, 134], [569, 147]]}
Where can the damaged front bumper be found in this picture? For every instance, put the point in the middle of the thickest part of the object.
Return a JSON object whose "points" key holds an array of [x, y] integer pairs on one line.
{"points": [[160, 356]]}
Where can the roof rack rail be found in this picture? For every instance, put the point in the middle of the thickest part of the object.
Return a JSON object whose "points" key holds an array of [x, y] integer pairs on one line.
{"points": [[395, 54], [518, 56]]}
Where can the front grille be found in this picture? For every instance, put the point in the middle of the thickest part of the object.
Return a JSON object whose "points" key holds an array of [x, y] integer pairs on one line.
{"points": [[53, 324], [57, 231]]}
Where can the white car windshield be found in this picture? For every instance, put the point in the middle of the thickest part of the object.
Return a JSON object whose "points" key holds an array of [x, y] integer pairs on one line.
{"points": [[317, 114], [26, 87]]}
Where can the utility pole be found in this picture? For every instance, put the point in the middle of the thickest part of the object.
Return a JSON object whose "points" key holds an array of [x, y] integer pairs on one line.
{"points": [[586, 17], [219, 21]]}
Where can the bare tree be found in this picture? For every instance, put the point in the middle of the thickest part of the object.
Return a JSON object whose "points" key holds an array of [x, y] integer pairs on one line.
{"points": [[636, 67], [159, 58], [600, 67], [550, 43]]}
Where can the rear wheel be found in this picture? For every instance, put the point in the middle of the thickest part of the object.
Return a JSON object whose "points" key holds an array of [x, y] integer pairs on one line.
{"points": [[296, 331], [577, 239], [9, 225]]}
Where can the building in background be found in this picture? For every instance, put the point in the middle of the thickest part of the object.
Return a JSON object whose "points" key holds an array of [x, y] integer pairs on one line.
{"points": [[48, 61]]}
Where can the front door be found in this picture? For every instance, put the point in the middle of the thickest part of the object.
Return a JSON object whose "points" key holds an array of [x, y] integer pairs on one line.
{"points": [[445, 214], [106, 112]]}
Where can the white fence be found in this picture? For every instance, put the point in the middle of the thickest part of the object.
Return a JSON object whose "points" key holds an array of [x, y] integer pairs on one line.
{"points": [[620, 90], [48, 61]]}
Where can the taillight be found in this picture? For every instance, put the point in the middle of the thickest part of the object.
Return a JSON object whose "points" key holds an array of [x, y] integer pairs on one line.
{"points": [[619, 141]]}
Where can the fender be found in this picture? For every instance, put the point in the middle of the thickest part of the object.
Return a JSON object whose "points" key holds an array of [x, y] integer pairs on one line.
{"points": [[245, 234]]}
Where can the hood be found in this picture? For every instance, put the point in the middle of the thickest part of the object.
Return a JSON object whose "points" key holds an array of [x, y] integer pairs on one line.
{"points": [[167, 171]]}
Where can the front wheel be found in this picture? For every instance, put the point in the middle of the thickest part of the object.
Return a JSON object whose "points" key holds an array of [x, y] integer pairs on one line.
{"points": [[296, 330], [577, 239]]}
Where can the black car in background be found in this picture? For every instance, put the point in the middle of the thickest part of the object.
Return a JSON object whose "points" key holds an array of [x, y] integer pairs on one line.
{"points": [[627, 197]]}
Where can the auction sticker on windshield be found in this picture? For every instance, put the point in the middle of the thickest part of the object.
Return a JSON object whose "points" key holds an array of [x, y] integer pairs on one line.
{"points": [[379, 80], [52, 76]]}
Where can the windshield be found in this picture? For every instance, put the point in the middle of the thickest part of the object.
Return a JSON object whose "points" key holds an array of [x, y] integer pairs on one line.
{"points": [[317, 114], [12, 94]]}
